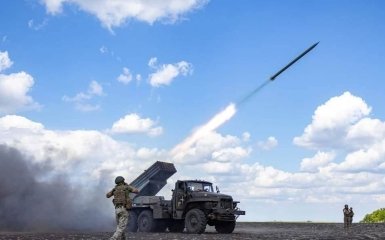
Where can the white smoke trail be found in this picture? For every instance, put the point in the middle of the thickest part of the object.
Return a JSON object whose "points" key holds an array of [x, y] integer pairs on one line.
{"points": [[180, 150]]}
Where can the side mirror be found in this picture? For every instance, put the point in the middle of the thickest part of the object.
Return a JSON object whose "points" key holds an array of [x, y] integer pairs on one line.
{"points": [[217, 189]]}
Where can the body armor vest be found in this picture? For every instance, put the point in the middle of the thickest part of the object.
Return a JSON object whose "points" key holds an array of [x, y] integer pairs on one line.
{"points": [[120, 195]]}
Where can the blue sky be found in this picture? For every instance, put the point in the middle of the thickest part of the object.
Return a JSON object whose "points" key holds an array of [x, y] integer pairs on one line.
{"points": [[206, 55]]}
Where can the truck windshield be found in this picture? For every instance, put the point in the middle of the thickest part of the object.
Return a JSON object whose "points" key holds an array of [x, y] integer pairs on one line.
{"points": [[200, 186]]}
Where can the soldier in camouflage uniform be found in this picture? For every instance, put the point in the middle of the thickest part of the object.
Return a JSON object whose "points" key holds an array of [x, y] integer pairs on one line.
{"points": [[351, 214], [122, 202], [346, 216]]}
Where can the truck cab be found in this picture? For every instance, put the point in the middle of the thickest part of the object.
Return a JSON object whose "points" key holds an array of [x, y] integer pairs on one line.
{"points": [[196, 202]]}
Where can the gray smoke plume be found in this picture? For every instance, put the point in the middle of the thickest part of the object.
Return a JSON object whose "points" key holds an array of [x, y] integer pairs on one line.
{"points": [[30, 204]]}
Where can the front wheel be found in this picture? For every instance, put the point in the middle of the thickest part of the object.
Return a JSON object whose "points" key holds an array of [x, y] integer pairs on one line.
{"points": [[225, 227], [195, 221]]}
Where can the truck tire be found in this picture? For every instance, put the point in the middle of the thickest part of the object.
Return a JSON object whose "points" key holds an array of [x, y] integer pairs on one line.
{"points": [[146, 222], [195, 221], [132, 225], [176, 226], [225, 227]]}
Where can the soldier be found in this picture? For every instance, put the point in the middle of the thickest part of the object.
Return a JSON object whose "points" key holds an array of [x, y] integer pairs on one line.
{"points": [[351, 214], [122, 202], [346, 216]]}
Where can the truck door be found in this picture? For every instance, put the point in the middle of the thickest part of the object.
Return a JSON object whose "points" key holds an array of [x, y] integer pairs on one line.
{"points": [[179, 197]]}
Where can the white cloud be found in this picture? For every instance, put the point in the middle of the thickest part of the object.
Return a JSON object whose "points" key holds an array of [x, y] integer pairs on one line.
{"points": [[14, 88], [255, 181], [370, 159], [380, 198], [212, 147], [81, 99], [53, 6], [138, 78], [217, 167], [332, 120], [133, 123], [5, 61], [151, 153], [230, 154], [88, 155], [115, 13], [343, 123], [37, 26], [246, 136], [95, 89], [268, 144], [166, 73], [153, 62], [313, 164], [365, 133], [125, 77], [11, 122], [103, 49]]}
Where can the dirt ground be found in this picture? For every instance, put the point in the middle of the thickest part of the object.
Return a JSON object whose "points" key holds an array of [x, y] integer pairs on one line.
{"points": [[268, 231]]}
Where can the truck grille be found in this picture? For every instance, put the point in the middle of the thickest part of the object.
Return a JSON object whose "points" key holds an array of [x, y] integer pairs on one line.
{"points": [[226, 203]]}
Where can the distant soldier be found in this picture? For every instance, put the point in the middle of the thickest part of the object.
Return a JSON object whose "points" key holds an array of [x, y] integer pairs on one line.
{"points": [[346, 216], [351, 214], [122, 202]]}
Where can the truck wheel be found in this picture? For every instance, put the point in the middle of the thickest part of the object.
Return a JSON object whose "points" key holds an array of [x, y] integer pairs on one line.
{"points": [[176, 226], [146, 222], [195, 221], [132, 225], [225, 227]]}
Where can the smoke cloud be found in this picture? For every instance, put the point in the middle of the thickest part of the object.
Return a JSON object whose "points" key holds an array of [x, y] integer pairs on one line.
{"points": [[181, 150], [32, 198]]}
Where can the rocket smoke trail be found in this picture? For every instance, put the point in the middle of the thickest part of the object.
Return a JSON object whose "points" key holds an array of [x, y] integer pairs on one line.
{"points": [[181, 150], [252, 93]]}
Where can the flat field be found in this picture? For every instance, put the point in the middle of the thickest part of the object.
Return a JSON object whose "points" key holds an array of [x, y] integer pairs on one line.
{"points": [[244, 230]]}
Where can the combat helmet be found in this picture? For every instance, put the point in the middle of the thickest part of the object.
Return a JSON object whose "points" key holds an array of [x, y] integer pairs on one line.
{"points": [[119, 179]]}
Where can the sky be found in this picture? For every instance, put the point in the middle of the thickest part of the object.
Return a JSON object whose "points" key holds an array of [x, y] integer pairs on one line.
{"points": [[93, 89]]}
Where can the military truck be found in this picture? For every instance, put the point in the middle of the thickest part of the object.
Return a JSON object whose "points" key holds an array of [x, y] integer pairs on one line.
{"points": [[194, 204]]}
